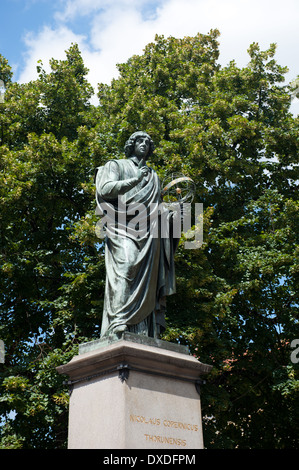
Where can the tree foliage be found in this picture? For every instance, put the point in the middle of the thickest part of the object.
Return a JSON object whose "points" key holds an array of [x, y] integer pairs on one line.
{"points": [[231, 130]]}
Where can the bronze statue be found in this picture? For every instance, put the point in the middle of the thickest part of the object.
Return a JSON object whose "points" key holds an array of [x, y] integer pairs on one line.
{"points": [[139, 269]]}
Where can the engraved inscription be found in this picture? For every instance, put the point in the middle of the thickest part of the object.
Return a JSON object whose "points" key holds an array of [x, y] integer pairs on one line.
{"points": [[144, 420], [164, 425], [166, 440]]}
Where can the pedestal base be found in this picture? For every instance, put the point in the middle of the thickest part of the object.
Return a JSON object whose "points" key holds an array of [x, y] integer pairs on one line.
{"points": [[135, 393]]}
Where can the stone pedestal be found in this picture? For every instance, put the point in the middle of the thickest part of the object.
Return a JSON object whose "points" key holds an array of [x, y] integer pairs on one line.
{"points": [[135, 393]]}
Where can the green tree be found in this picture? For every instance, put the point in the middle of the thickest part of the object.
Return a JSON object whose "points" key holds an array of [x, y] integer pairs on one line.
{"points": [[44, 167], [228, 128]]}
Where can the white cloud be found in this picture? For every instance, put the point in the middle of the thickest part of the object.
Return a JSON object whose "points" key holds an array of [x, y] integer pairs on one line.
{"points": [[74, 8], [240, 22], [114, 30], [120, 34], [47, 44]]}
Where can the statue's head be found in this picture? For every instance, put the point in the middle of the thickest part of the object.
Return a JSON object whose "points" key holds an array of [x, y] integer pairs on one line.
{"points": [[130, 144]]}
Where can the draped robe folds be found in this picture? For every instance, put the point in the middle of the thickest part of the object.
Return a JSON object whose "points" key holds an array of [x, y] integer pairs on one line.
{"points": [[139, 270]]}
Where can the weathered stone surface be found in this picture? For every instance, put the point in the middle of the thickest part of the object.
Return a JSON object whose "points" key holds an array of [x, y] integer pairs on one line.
{"points": [[135, 338]]}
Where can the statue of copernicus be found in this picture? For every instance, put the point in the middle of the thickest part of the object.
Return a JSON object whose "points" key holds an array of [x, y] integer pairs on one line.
{"points": [[139, 269]]}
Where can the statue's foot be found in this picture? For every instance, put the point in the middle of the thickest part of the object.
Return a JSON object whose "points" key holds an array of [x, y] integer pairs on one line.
{"points": [[119, 330]]}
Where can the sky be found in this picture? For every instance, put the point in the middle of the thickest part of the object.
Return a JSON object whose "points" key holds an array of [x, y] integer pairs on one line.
{"points": [[111, 31]]}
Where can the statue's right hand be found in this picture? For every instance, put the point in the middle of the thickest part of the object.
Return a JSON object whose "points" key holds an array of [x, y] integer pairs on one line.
{"points": [[142, 171]]}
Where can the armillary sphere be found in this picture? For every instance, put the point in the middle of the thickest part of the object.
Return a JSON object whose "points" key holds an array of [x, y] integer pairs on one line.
{"points": [[177, 187]]}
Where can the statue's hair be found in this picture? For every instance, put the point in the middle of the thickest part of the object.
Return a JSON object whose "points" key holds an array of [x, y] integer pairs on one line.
{"points": [[130, 144]]}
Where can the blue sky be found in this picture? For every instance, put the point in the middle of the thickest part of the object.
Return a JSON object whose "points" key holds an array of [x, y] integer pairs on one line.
{"points": [[19, 17], [110, 31]]}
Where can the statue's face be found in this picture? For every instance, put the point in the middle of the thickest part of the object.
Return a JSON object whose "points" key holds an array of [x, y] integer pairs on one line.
{"points": [[142, 145]]}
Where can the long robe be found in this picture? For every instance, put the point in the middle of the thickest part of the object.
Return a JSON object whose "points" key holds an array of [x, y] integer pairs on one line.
{"points": [[139, 270]]}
